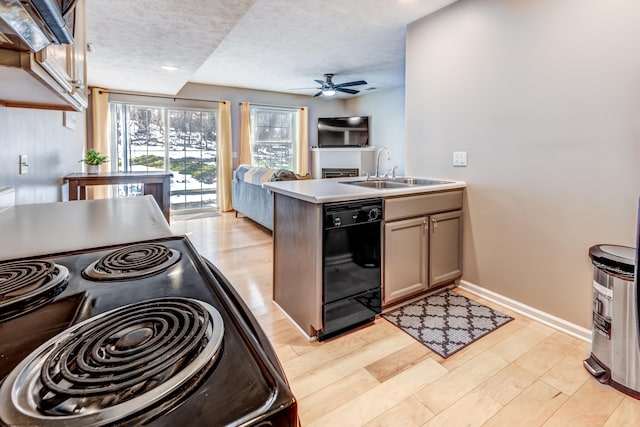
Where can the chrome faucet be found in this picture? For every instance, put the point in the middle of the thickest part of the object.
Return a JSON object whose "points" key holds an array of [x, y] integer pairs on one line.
{"points": [[378, 160]]}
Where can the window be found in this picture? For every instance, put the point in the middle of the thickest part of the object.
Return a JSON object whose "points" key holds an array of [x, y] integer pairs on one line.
{"points": [[181, 141], [275, 136]]}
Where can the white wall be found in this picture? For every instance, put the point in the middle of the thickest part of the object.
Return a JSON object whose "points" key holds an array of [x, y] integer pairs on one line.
{"points": [[545, 97], [53, 151], [386, 109]]}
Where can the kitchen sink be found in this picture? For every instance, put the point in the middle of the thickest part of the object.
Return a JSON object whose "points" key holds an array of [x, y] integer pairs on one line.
{"points": [[378, 184], [400, 182], [419, 181]]}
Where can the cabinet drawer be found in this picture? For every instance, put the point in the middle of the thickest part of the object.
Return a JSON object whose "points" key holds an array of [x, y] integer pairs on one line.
{"points": [[424, 204]]}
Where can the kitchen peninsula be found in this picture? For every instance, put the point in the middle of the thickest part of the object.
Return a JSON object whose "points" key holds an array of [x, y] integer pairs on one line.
{"points": [[47, 228], [413, 259]]}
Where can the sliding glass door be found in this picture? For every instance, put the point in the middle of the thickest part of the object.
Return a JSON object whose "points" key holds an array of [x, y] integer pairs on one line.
{"points": [[181, 141], [192, 158]]}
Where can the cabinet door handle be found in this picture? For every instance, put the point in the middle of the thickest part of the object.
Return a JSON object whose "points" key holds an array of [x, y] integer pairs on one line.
{"points": [[435, 224]]}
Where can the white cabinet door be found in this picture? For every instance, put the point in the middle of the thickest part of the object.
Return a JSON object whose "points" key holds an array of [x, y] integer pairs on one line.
{"points": [[65, 64], [57, 60]]}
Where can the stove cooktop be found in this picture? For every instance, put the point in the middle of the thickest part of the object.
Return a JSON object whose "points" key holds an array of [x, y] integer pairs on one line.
{"points": [[27, 285], [130, 345]]}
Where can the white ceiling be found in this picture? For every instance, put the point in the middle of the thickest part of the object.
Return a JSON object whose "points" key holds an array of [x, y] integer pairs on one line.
{"points": [[275, 45]]}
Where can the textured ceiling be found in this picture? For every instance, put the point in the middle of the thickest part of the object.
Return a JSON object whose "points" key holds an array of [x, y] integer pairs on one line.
{"points": [[276, 45]]}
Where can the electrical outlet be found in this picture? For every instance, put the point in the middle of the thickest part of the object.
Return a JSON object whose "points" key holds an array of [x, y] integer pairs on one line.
{"points": [[459, 158], [24, 165]]}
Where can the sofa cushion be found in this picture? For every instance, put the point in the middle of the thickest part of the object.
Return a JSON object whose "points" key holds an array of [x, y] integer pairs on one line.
{"points": [[256, 175], [250, 198], [283, 175], [305, 176]]}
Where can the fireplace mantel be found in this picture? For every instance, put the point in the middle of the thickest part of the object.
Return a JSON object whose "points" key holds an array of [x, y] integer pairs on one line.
{"points": [[360, 158]]}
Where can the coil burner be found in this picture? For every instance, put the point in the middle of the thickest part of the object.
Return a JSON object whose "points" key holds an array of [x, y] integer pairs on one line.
{"points": [[132, 262], [131, 363], [28, 285]]}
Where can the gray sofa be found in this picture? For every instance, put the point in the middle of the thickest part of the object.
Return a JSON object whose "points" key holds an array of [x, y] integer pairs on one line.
{"points": [[250, 198]]}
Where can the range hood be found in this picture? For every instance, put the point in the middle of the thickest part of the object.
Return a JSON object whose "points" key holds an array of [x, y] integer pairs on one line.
{"points": [[32, 25]]}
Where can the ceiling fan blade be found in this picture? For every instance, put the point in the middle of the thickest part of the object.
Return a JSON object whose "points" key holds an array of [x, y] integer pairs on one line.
{"points": [[320, 82], [317, 94], [357, 83], [351, 91]]}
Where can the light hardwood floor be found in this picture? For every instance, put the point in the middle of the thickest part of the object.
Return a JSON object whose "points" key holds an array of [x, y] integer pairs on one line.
{"points": [[523, 374]]}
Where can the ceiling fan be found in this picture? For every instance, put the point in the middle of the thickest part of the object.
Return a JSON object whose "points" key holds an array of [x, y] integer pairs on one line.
{"points": [[328, 88]]}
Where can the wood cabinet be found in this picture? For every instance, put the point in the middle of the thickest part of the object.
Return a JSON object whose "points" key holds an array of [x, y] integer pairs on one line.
{"points": [[406, 254], [297, 261], [445, 247], [422, 244], [53, 78]]}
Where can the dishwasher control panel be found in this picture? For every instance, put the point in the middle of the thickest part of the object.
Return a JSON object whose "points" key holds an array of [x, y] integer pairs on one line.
{"points": [[344, 214]]}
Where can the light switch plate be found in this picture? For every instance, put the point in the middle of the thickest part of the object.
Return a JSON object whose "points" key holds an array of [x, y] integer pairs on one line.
{"points": [[24, 164], [459, 158]]}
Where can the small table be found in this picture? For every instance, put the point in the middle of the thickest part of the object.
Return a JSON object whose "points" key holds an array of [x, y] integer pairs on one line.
{"points": [[156, 184]]}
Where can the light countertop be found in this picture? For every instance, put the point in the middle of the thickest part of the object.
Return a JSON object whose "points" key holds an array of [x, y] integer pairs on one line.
{"points": [[7, 198], [342, 149], [48, 228], [334, 190]]}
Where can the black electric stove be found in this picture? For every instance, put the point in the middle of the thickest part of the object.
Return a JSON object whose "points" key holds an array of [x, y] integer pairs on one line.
{"points": [[144, 333]]}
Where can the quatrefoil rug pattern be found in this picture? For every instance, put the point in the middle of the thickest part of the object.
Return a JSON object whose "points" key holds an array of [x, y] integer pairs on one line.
{"points": [[446, 322]]}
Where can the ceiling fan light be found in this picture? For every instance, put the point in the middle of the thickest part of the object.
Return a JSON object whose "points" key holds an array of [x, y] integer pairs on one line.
{"points": [[328, 91]]}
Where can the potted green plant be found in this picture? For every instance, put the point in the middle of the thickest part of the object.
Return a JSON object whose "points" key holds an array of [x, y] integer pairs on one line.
{"points": [[93, 159]]}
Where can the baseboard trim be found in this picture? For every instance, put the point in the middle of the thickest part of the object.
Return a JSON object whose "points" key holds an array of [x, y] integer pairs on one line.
{"points": [[527, 311], [293, 322]]}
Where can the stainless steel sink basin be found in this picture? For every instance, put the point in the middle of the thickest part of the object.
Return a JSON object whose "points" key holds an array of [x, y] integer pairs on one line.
{"points": [[378, 184], [401, 182], [418, 181]]}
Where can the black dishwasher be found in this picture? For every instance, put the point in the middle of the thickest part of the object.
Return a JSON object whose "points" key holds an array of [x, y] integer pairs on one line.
{"points": [[351, 265]]}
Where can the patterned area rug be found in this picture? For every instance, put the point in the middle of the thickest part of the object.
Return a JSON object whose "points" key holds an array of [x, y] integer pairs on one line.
{"points": [[446, 322]]}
